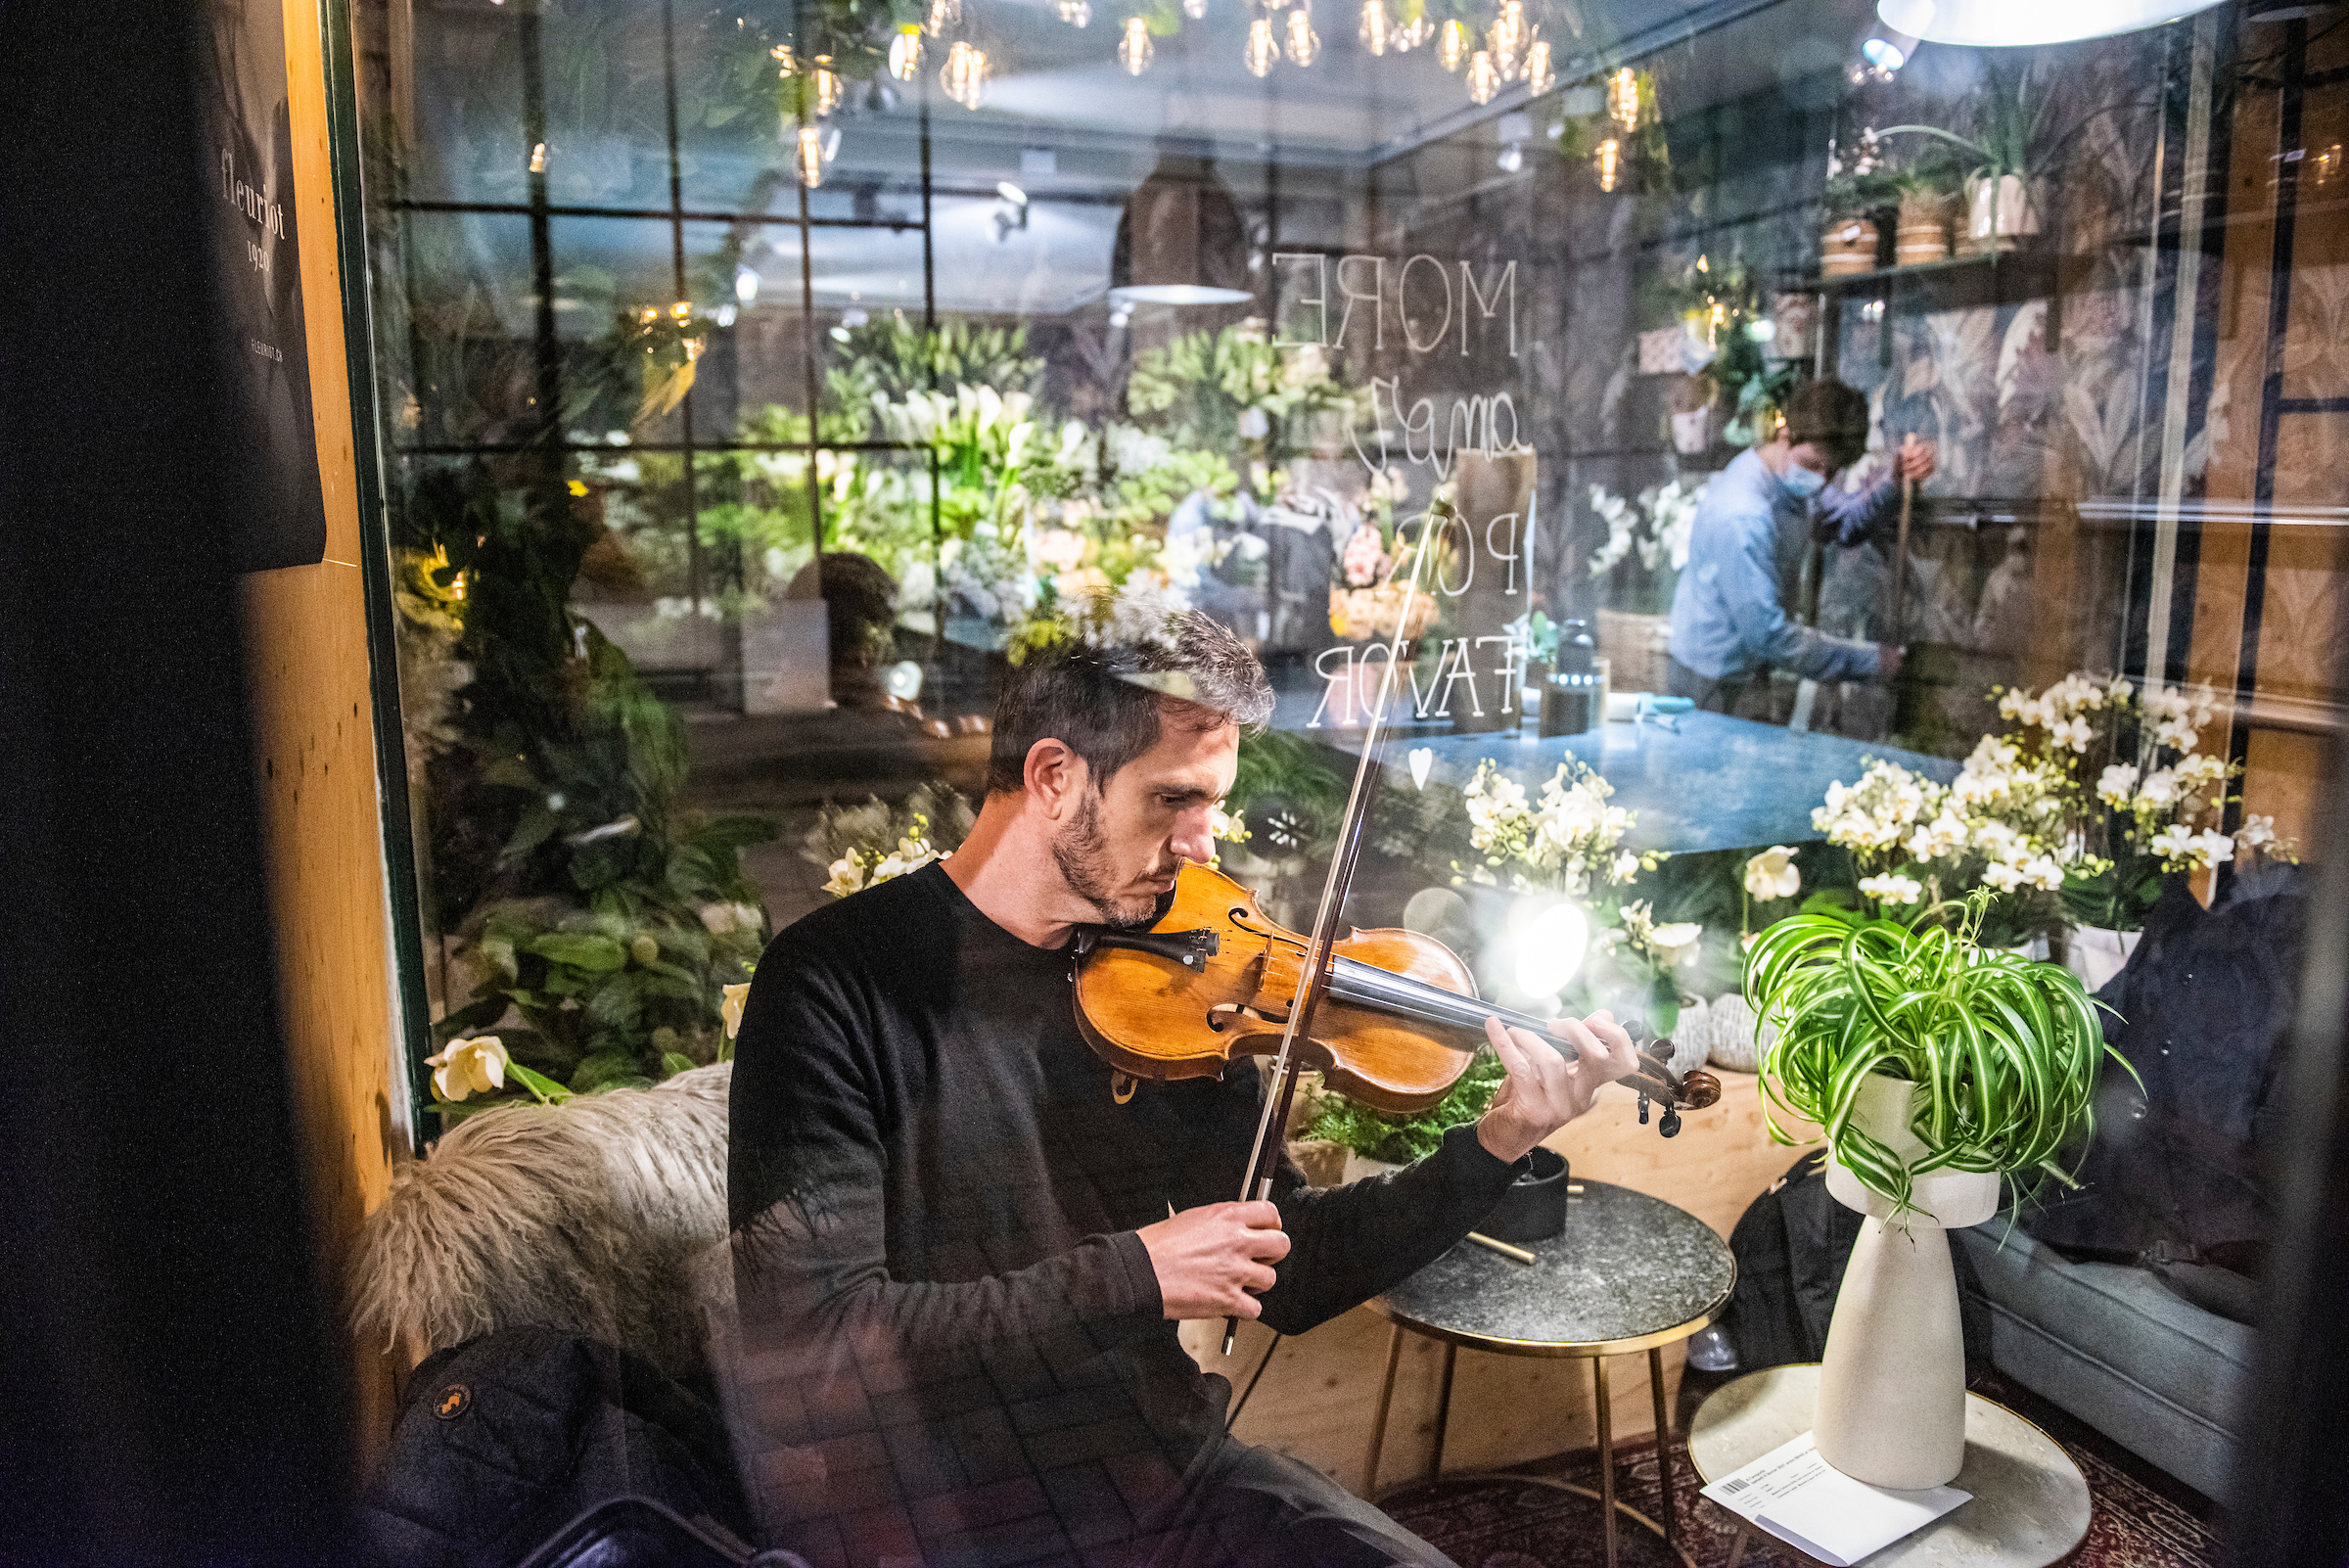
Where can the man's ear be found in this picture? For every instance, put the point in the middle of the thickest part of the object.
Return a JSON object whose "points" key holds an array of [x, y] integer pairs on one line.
{"points": [[1055, 777]]}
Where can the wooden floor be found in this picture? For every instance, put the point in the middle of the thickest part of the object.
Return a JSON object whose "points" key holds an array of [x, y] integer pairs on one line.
{"points": [[1318, 1396]]}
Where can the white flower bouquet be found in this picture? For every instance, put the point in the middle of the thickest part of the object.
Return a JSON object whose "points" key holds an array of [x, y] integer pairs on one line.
{"points": [[1653, 531]]}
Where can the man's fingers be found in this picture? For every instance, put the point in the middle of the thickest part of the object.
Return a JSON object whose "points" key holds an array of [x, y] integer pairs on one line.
{"points": [[1258, 1214], [1270, 1245], [1258, 1280]]}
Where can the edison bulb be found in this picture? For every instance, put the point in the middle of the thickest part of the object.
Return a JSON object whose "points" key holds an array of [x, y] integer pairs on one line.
{"points": [[1451, 44], [1075, 13], [1194, 9], [905, 54], [1484, 78], [1609, 164], [1413, 33], [943, 14], [1304, 44], [964, 75], [1623, 98], [807, 157], [1373, 31], [1264, 50], [1540, 75], [1505, 39], [1135, 48], [827, 85]]}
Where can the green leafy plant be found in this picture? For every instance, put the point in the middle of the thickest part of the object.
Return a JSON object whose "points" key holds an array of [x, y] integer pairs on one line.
{"points": [[2005, 1051], [1402, 1139]]}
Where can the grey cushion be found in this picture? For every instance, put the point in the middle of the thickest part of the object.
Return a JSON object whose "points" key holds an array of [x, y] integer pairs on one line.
{"points": [[2113, 1347]]}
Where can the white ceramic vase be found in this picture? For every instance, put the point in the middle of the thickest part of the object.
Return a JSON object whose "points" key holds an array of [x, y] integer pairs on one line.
{"points": [[2096, 953], [1892, 1387]]}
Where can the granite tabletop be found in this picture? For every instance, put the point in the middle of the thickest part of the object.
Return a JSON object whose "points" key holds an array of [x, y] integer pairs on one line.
{"points": [[1626, 1268], [1698, 781]]}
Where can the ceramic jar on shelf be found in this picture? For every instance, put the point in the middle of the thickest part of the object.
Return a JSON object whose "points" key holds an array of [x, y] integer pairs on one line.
{"points": [[1847, 248]]}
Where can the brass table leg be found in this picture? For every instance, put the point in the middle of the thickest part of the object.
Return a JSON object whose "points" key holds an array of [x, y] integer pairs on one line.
{"points": [[1606, 1451], [1435, 1461], [1655, 1386], [1378, 1428]]}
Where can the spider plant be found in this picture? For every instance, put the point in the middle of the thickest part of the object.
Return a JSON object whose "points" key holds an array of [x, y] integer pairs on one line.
{"points": [[2004, 1050]]}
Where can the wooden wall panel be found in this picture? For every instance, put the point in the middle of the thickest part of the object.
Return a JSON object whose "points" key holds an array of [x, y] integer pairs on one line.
{"points": [[1318, 1396], [306, 640]]}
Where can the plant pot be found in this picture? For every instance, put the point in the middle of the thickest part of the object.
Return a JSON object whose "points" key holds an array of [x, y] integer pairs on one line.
{"points": [[1892, 1386], [1848, 246], [1634, 649], [1692, 432], [1792, 316], [1924, 235], [2096, 953], [1533, 1208], [1998, 211]]}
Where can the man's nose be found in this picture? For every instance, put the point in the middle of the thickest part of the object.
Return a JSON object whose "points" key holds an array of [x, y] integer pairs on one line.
{"points": [[1194, 837]]}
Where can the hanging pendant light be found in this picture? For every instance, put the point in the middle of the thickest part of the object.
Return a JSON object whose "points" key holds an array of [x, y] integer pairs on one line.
{"points": [[807, 157], [1506, 38], [1194, 9], [905, 54], [1413, 33], [1264, 50], [1075, 13], [1304, 44], [1609, 164], [1451, 44], [784, 58], [1623, 99], [2020, 23], [1484, 78], [943, 14], [1375, 29], [1179, 240], [1540, 75], [964, 75], [827, 85], [1135, 48]]}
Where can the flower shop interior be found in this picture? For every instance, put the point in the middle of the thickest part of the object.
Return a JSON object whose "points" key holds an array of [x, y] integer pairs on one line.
{"points": [[1811, 526]]}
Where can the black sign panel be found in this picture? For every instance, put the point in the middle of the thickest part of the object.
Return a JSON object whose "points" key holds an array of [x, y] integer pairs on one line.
{"points": [[249, 167]]}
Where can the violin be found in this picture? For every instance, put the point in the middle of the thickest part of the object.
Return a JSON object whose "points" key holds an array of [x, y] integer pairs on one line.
{"points": [[1216, 980]]}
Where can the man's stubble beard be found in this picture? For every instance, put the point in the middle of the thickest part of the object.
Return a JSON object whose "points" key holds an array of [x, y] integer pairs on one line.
{"points": [[1081, 853]]}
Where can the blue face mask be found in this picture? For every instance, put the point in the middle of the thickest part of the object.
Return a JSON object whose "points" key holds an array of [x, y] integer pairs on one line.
{"points": [[1800, 482]]}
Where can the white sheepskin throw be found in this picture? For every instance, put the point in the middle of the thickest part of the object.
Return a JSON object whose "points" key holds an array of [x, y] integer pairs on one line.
{"points": [[586, 1216]]}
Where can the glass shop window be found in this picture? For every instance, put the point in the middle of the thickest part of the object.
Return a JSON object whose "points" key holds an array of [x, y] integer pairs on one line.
{"points": [[1778, 466]]}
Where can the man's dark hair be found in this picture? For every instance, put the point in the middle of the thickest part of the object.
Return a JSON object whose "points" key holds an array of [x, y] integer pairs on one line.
{"points": [[1830, 415], [1107, 705]]}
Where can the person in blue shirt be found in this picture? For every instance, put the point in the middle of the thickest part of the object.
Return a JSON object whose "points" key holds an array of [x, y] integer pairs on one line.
{"points": [[1730, 626]]}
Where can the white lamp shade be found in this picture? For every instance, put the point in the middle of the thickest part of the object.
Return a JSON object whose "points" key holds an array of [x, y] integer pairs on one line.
{"points": [[2009, 23]]}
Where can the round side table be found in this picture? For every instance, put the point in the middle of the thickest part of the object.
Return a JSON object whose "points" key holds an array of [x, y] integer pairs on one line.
{"points": [[2030, 1506], [1629, 1273]]}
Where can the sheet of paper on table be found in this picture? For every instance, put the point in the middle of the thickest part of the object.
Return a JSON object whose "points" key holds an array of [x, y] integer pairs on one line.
{"points": [[1813, 1506]]}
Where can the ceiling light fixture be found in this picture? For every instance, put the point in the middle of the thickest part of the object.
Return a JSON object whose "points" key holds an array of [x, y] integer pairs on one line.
{"points": [[1264, 50], [1623, 99], [964, 75], [1888, 48], [1484, 78], [1196, 10], [905, 54], [1135, 48], [943, 14], [1075, 13], [1413, 33], [2023, 24], [1610, 164], [1540, 75], [1304, 44], [1374, 29], [807, 157], [1179, 240], [1451, 46]]}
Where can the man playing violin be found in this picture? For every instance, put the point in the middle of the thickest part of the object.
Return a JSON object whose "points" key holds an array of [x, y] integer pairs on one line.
{"points": [[963, 1242]]}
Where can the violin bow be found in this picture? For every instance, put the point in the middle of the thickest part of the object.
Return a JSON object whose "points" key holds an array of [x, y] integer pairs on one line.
{"points": [[1271, 1126]]}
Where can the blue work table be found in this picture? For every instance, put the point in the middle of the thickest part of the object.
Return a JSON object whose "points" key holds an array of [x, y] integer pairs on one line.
{"points": [[1708, 782]]}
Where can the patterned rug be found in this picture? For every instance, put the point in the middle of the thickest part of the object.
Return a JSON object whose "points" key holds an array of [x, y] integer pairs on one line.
{"points": [[2142, 1518]]}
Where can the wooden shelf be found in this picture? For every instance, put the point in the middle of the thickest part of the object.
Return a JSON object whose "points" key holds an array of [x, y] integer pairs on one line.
{"points": [[1852, 282]]}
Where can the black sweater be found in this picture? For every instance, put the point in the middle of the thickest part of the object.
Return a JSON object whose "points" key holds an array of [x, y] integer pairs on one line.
{"points": [[953, 1336]]}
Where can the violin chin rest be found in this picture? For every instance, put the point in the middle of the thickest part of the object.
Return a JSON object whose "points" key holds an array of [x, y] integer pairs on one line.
{"points": [[1699, 1088]]}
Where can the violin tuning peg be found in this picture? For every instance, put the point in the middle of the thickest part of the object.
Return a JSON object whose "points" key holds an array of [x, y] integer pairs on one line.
{"points": [[1644, 1110], [1669, 1123]]}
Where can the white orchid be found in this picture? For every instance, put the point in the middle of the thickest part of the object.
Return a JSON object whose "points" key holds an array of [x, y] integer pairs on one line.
{"points": [[1892, 889], [2116, 783], [1773, 874], [469, 1067], [1676, 945]]}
